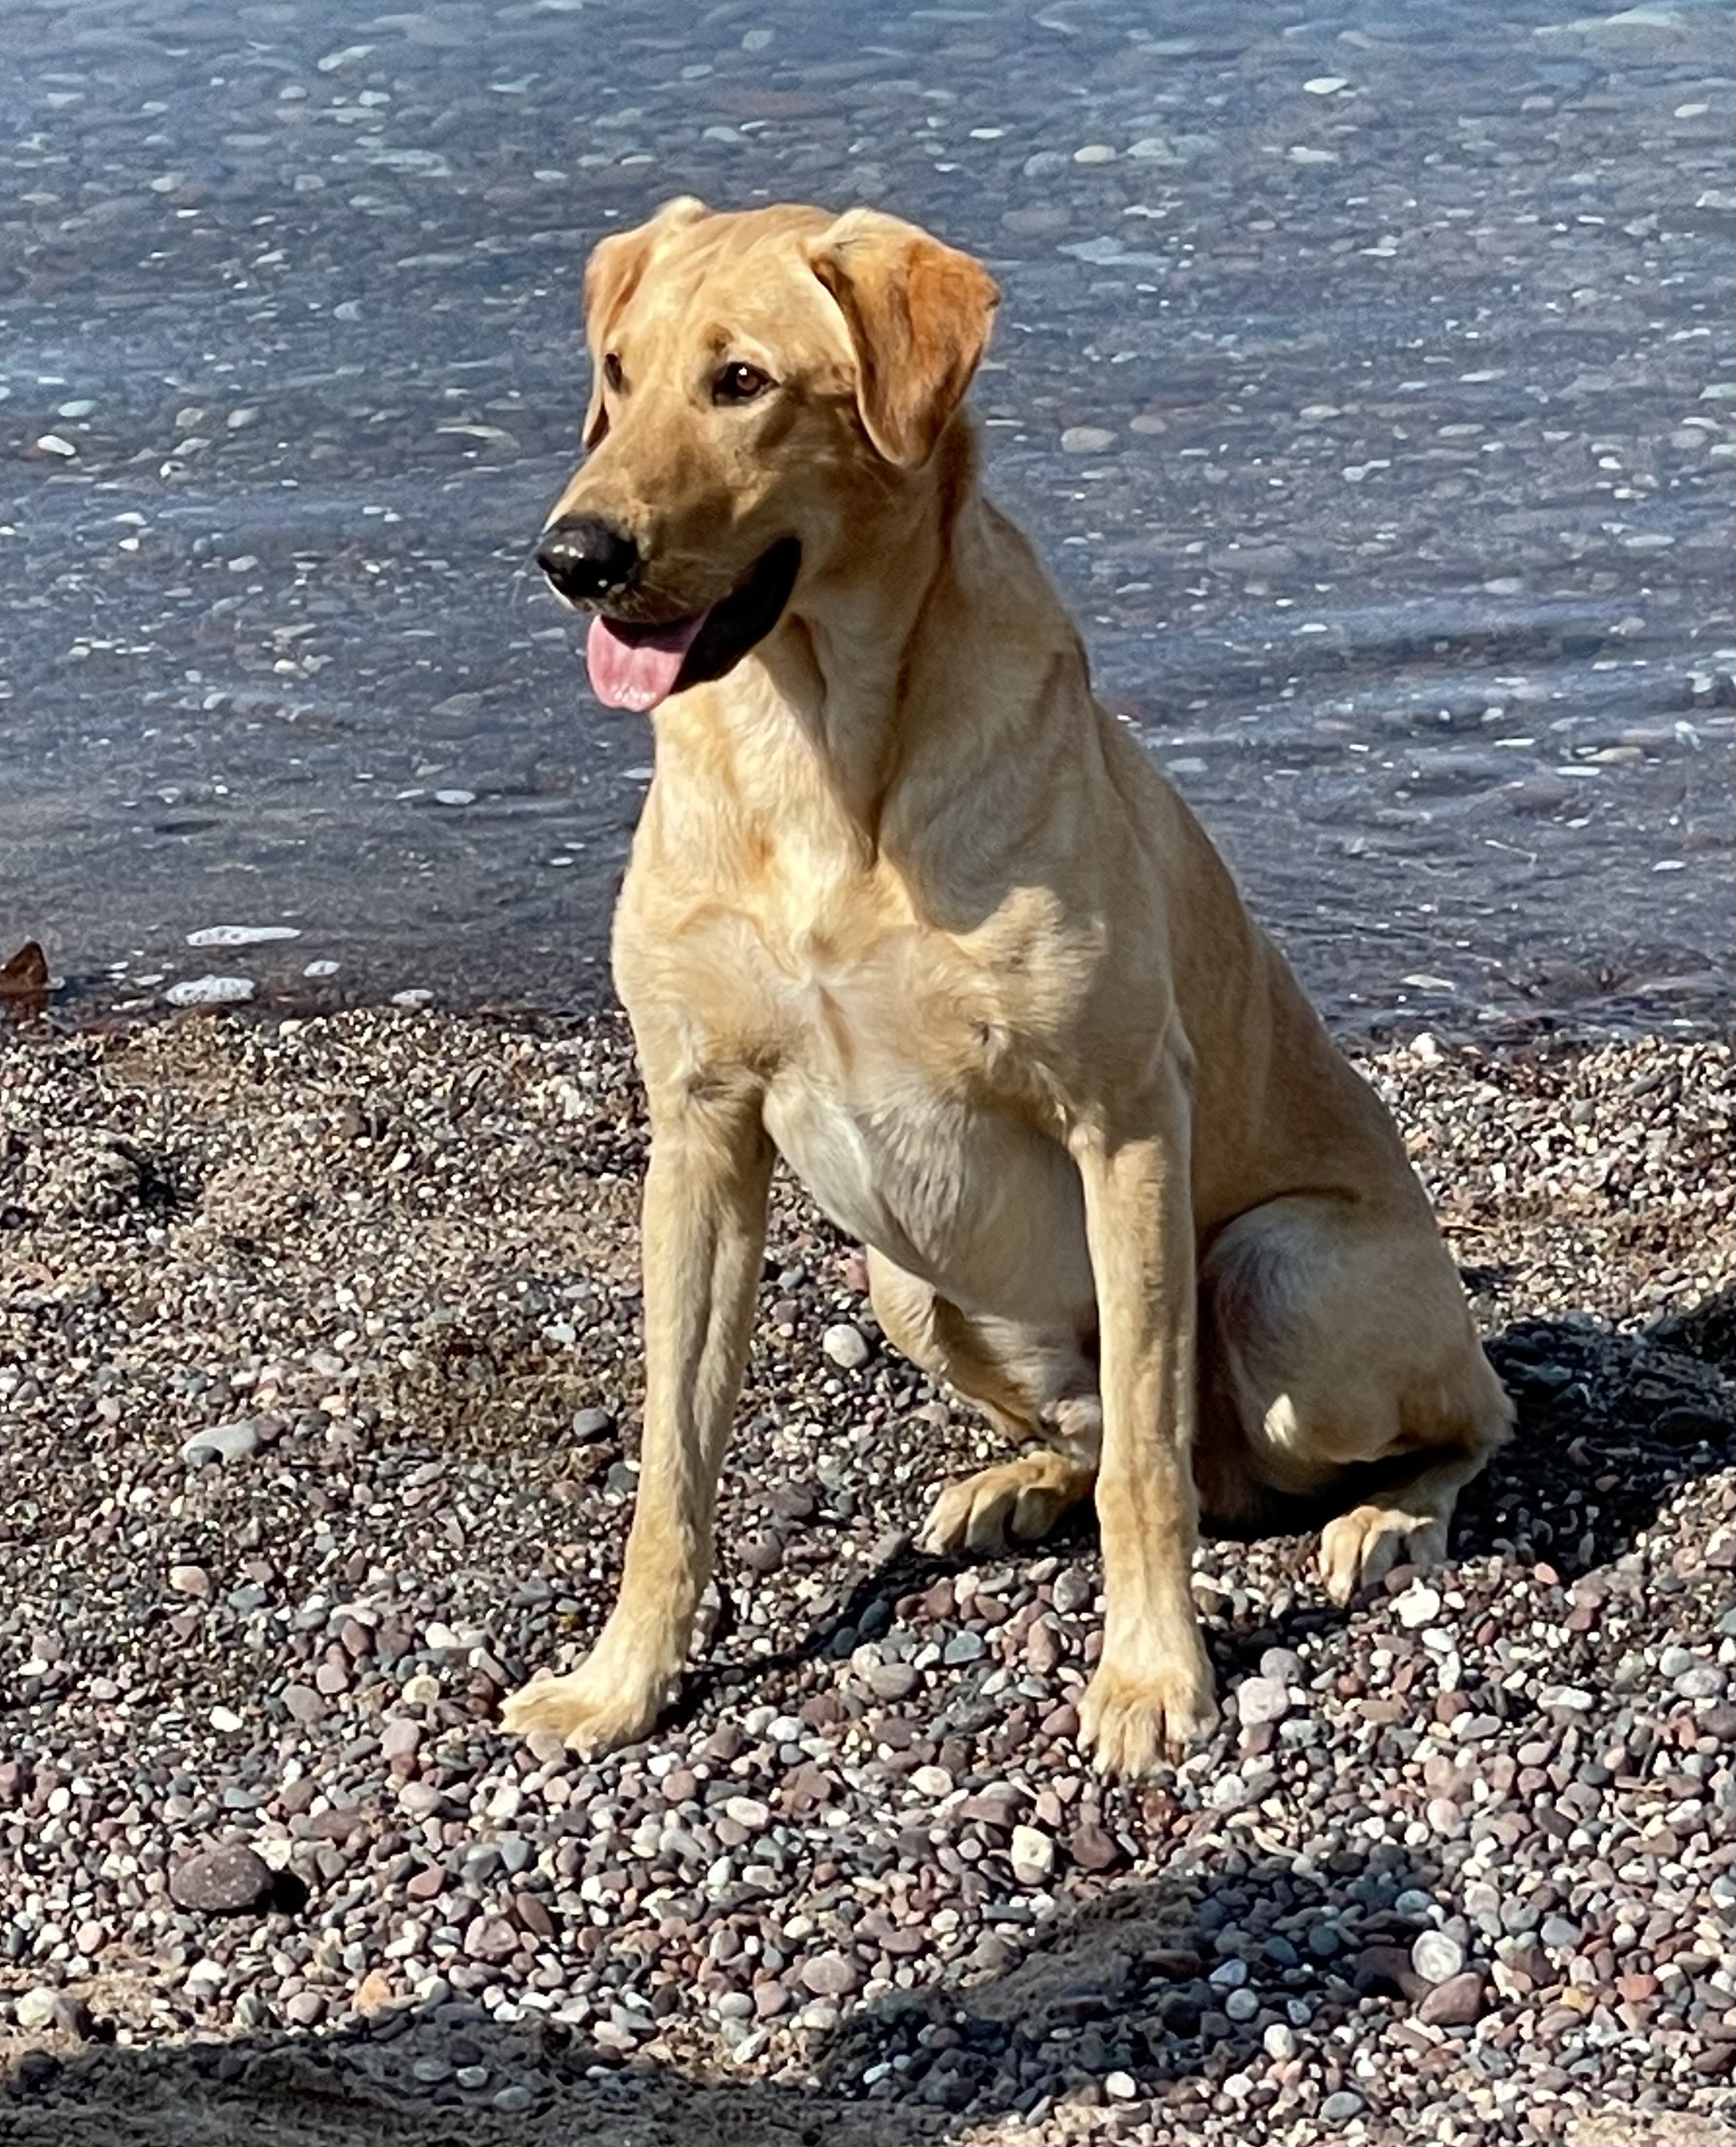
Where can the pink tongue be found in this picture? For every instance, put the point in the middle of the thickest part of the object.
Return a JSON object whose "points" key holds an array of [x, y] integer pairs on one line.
{"points": [[640, 673]]}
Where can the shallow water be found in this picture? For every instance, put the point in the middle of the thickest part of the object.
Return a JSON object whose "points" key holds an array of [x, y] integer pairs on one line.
{"points": [[1369, 379]]}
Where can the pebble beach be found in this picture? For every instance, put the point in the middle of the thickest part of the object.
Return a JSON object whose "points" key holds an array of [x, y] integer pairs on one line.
{"points": [[318, 1390]]}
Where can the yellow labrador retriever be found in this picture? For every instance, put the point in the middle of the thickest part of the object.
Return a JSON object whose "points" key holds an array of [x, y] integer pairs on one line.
{"points": [[908, 907]]}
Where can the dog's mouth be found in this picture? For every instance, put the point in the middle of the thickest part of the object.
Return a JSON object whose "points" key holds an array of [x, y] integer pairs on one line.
{"points": [[637, 667]]}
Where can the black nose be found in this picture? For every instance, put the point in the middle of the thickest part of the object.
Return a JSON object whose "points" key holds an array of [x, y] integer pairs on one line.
{"points": [[585, 560]]}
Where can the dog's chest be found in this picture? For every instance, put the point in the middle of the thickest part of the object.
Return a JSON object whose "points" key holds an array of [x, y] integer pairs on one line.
{"points": [[887, 1104]]}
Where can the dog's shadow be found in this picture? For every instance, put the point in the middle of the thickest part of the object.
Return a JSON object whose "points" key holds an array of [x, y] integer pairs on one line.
{"points": [[1129, 1994], [1609, 1425]]}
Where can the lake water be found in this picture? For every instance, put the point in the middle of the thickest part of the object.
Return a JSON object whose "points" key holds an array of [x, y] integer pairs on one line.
{"points": [[1368, 377]]}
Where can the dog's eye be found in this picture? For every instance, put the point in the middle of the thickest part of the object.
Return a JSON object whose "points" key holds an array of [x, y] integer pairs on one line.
{"points": [[738, 382], [612, 375]]}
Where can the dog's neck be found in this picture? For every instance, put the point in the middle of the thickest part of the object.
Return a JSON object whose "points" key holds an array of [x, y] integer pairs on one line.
{"points": [[839, 661]]}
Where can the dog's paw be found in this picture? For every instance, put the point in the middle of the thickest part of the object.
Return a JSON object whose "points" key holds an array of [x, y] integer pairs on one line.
{"points": [[1023, 1498], [1134, 1722], [1359, 1549], [593, 1711]]}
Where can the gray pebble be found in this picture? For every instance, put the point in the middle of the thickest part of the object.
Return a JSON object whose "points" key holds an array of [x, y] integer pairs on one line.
{"points": [[1261, 1699], [222, 1442]]}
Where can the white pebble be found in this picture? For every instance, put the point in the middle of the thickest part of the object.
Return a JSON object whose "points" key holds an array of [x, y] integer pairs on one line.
{"points": [[1095, 153], [211, 991], [52, 443], [1436, 1957], [1032, 1853], [1325, 85], [1418, 1605], [1086, 440], [845, 1345], [241, 935]]}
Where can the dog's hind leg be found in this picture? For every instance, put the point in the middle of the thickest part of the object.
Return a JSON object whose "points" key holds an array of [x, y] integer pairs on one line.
{"points": [[1038, 1387], [1338, 1336]]}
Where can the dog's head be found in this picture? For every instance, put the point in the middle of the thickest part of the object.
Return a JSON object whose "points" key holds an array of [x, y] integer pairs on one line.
{"points": [[763, 385]]}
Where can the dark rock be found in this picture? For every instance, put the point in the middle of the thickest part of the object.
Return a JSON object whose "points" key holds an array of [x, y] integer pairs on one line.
{"points": [[229, 1881]]}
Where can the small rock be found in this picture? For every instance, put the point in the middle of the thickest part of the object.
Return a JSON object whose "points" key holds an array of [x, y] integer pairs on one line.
{"points": [[1073, 1591], [1086, 440], [1418, 1605], [1261, 1699], [1033, 1854], [399, 1738], [591, 1424], [490, 1939], [1091, 1849], [373, 1993], [1457, 2003], [845, 1345], [831, 1976], [190, 1580], [229, 1881], [1280, 2042], [1436, 1957], [211, 991], [892, 1680], [222, 1442], [1340, 2108], [35, 2009]]}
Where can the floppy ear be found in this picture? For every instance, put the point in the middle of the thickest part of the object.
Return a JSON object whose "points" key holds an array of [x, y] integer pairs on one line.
{"points": [[611, 276], [918, 315]]}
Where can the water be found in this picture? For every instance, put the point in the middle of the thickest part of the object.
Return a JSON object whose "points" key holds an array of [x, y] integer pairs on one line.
{"points": [[1368, 380]]}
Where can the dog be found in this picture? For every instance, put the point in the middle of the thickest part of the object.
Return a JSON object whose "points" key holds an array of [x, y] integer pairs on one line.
{"points": [[908, 908]]}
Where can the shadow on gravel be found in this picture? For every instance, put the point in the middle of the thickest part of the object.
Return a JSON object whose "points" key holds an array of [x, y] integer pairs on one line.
{"points": [[1608, 1426], [1131, 1983]]}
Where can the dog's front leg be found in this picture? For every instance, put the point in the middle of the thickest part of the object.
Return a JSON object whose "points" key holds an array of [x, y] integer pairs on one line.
{"points": [[704, 1221], [1151, 1695]]}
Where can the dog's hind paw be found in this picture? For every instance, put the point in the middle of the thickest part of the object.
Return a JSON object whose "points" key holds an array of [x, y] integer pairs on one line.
{"points": [[1023, 1498], [1359, 1549]]}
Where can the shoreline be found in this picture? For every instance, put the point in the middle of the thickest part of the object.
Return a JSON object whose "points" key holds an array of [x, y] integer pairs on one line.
{"points": [[862, 1880]]}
